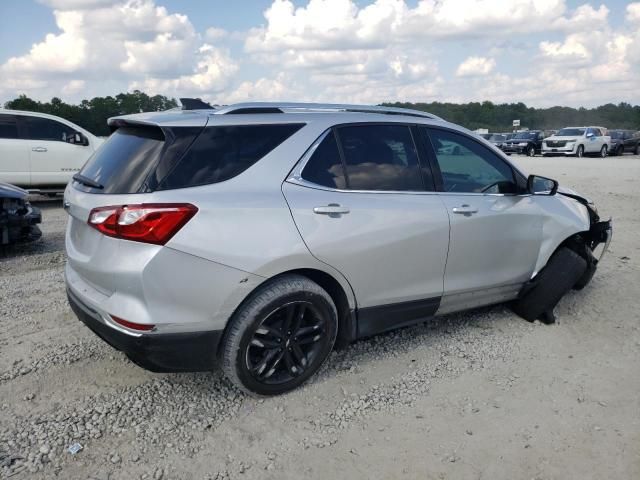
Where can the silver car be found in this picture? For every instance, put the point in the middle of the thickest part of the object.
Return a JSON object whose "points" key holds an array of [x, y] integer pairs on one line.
{"points": [[259, 236]]}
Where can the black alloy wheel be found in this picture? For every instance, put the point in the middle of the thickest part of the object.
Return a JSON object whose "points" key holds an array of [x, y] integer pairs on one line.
{"points": [[280, 336], [286, 343]]}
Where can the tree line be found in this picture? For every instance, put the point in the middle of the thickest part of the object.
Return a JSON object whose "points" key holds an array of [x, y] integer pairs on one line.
{"points": [[499, 117], [93, 114]]}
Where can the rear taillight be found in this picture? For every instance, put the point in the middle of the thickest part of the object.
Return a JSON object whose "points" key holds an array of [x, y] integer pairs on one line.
{"points": [[143, 327], [148, 222]]}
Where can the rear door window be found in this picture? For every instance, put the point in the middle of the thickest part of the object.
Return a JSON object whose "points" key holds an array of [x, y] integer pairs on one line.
{"points": [[325, 165], [8, 126], [380, 157]]}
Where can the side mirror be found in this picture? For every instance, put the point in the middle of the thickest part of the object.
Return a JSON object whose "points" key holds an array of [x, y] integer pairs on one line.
{"points": [[537, 185], [80, 139], [589, 135]]}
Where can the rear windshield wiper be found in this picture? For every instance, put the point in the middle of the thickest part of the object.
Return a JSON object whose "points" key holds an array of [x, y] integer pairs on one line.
{"points": [[87, 181]]}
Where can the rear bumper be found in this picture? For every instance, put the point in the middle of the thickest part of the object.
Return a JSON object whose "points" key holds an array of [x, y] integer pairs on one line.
{"points": [[166, 352]]}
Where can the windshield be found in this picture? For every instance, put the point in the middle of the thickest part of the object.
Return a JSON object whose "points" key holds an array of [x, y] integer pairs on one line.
{"points": [[570, 132], [486, 136], [497, 138], [616, 135], [524, 136]]}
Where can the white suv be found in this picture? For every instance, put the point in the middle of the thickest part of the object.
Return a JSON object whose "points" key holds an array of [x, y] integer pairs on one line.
{"points": [[578, 141], [41, 152]]}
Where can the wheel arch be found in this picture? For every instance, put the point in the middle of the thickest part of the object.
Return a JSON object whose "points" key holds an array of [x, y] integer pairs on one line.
{"points": [[343, 299]]}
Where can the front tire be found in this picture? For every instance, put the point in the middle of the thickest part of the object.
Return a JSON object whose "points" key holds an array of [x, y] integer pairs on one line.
{"points": [[580, 151], [603, 151], [562, 272], [280, 336], [531, 151]]}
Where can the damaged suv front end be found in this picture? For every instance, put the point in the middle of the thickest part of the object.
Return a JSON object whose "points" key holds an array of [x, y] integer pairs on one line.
{"points": [[586, 243], [18, 218]]}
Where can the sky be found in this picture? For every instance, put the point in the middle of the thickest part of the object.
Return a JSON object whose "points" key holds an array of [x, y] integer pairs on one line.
{"points": [[540, 52]]}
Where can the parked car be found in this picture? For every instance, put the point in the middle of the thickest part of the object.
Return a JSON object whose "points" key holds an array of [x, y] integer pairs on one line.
{"points": [[41, 152], [257, 236], [528, 143], [578, 141], [624, 141], [497, 139], [18, 218]]}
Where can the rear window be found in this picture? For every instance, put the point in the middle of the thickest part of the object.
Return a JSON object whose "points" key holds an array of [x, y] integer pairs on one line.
{"points": [[145, 159], [221, 153]]}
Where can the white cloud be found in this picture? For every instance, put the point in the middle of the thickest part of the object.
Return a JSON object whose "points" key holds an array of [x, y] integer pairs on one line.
{"points": [[211, 74], [475, 66], [633, 12], [339, 50], [341, 24], [214, 33], [126, 41], [65, 52]]}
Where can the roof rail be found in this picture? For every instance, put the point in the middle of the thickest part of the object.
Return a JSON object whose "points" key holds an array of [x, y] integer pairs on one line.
{"points": [[276, 107], [195, 104]]}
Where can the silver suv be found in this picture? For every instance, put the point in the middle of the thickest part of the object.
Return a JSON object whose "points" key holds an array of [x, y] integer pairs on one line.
{"points": [[259, 236]]}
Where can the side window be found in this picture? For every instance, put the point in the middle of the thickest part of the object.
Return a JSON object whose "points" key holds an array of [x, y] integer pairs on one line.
{"points": [[325, 166], [8, 126], [223, 152], [469, 167], [45, 129], [380, 157]]}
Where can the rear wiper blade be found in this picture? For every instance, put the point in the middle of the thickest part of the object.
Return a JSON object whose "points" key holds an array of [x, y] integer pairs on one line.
{"points": [[87, 181]]}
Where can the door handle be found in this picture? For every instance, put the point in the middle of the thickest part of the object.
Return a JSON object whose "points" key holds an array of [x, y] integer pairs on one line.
{"points": [[333, 209], [465, 210], [39, 149]]}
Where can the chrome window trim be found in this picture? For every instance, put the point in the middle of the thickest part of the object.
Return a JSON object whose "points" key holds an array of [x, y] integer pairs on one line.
{"points": [[295, 178]]}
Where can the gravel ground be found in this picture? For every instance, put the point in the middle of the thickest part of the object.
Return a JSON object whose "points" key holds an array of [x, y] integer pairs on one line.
{"points": [[481, 394]]}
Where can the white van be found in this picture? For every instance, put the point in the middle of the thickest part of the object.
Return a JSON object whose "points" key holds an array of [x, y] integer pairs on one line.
{"points": [[41, 152]]}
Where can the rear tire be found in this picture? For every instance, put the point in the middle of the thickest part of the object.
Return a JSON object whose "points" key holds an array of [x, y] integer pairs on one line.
{"points": [[563, 270], [280, 336], [636, 151]]}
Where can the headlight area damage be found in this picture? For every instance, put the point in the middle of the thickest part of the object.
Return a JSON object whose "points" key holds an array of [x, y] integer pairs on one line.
{"points": [[571, 266], [18, 219], [586, 243]]}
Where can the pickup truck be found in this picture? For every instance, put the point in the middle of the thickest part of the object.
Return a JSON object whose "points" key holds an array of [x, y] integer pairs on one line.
{"points": [[578, 141], [41, 152]]}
